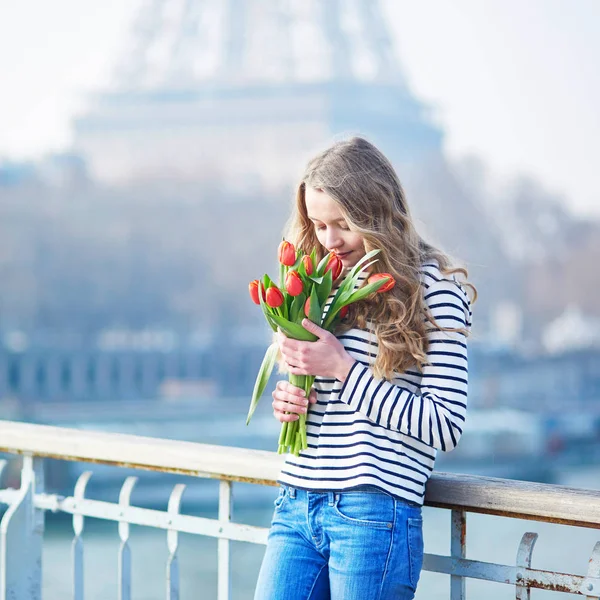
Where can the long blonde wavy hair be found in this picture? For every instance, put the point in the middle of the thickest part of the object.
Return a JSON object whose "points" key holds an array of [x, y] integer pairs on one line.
{"points": [[362, 181]]}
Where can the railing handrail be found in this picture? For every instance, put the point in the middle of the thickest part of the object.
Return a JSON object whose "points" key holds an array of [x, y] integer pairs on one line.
{"points": [[504, 497]]}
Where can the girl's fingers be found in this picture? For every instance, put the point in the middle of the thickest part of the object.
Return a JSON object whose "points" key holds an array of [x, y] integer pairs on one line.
{"points": [[291, 359], [290, 398], [283, 406], [283, 417], [286, 386], [289, 401]]}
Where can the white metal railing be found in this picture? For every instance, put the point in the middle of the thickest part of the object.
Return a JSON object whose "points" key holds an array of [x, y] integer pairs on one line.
{"points": [[21, 528]]}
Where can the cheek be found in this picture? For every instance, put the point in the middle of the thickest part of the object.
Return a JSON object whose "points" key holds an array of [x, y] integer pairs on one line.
{"points": [[357, 242]]}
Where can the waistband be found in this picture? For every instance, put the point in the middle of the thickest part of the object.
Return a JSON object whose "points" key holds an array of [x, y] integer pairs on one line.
{"points": [[364, 488]]}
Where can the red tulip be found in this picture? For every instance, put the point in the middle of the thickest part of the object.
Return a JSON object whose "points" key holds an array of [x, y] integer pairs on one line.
{"points": [[344, 311], [308, 264], [293, 283], [287, 254], [307, 307], [253, 288], [386, 287], [334, 264], [274, 297]]}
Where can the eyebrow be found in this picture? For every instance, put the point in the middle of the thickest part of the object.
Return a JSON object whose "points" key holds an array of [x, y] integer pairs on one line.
{"points": [[340, 220]]}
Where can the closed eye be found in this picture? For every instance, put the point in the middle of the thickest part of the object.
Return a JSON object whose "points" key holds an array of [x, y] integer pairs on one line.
{"points": [[322, 227]]}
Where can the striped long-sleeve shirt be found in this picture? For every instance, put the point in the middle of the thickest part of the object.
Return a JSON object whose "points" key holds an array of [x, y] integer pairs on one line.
{"points": [[383, 433]]}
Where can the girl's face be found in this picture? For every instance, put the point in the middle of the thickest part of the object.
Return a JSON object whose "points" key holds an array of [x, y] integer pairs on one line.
{"points": [[331, 227]]}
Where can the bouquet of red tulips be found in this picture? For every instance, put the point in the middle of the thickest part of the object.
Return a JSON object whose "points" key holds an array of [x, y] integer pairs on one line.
{"points": [[303, 290]]}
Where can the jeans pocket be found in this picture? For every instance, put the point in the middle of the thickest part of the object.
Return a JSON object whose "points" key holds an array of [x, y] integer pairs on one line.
{"points": [[366, 509], [280, 498], [415, 548]]}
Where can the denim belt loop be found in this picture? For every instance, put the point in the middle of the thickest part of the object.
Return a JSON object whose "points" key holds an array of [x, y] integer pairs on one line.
{"points": [[292, 492], [331, 498]]}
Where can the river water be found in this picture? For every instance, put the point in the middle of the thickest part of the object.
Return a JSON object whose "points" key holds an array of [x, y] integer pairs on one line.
{"points": [[492, 539]]}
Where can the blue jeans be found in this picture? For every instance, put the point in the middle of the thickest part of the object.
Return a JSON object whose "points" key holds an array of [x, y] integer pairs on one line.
{"points": [[352, 545]]}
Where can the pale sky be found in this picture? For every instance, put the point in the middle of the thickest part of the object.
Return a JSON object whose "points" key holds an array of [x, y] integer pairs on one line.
{"points": [[511, 81]]}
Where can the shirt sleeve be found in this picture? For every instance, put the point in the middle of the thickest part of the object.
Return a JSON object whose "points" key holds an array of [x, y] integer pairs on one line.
{"points": [[435, 415]]}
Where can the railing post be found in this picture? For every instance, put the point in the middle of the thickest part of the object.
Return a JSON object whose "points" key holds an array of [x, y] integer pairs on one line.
{"points": [[124, 573], [225, 510], [458, 549], [524, 555], [593, 574], [21, 538], [172, 543], [77, 547]]}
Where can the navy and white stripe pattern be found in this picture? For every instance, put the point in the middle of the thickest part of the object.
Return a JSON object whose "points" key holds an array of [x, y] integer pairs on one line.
{"points": [[387, 434]]}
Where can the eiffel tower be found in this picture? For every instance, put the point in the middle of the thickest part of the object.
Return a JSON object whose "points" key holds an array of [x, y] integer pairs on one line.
{"points": [[244, 91]]}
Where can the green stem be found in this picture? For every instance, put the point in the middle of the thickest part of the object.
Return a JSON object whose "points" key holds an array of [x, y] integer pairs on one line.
{"points": [[299, 440], [290, 433], [282, 433]]}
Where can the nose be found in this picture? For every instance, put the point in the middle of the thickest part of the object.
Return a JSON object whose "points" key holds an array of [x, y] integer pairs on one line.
{"points": [[333, 241]]}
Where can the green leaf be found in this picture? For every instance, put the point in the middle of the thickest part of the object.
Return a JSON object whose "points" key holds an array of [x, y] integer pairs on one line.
{"points": [[315, 312], [333, 308], [297, 307], [365, 291], [352, 280], [301, 271], [324, 289], [262, 378], [348, 286], [317, 280], [346, 289], [299, 256], [321, 266], [293, 330], [364, 259], [271, 322], [267, 281]]}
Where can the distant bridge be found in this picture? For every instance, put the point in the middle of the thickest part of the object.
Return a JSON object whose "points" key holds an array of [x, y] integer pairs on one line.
{"points": [[89, 374]]}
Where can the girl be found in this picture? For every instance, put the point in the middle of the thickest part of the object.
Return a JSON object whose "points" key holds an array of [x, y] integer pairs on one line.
{"points": [[391, 390]]}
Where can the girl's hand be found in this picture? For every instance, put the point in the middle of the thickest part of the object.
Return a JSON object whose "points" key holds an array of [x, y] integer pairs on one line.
{"points": [[288, 398], [326, 357]]}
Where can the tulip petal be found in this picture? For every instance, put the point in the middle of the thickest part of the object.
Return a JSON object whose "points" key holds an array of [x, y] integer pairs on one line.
{"points": [[266, 368]]}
